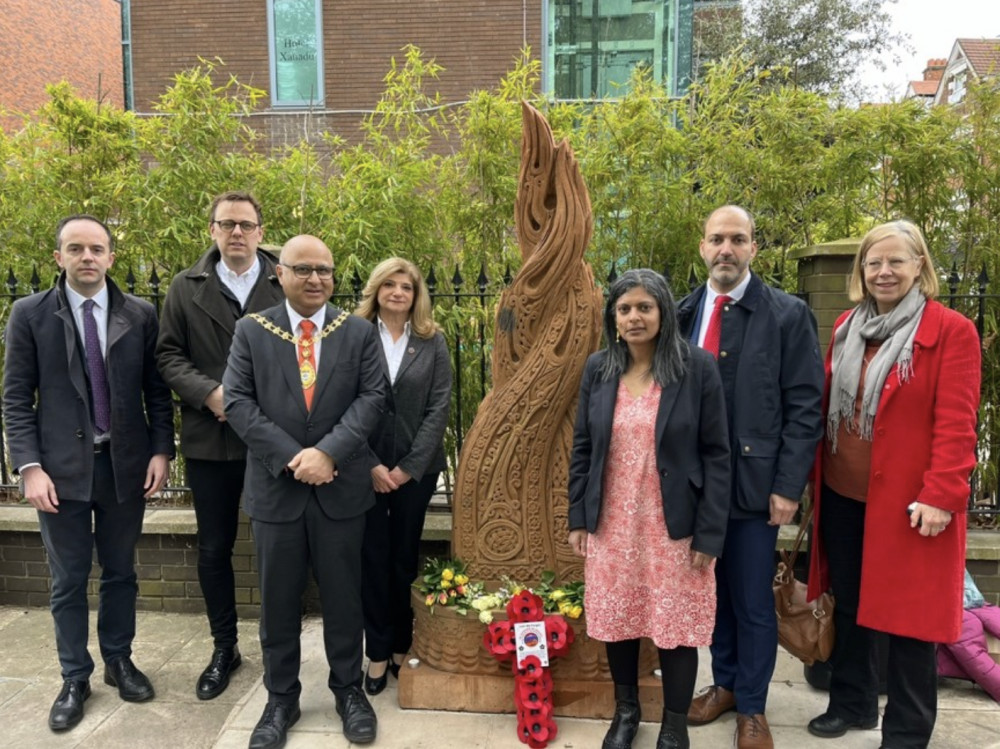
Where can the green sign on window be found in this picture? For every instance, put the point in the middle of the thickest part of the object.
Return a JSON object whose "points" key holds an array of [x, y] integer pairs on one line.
{"points": [[297, 53]]}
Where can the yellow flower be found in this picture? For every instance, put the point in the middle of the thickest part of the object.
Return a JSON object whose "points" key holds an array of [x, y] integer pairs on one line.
{"points": [[461, 579], [565, 607], [430, 599], [451, 593], [448, 574], [445, 583], [557, 594], [575, 612], [486, 617]]}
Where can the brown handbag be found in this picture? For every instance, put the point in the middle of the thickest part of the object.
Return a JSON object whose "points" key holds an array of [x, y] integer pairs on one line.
{"points": [[805, 629]]}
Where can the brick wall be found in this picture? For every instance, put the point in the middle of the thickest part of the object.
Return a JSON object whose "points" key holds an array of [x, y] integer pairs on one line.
{"points": [[46, 41], [476, 41]]}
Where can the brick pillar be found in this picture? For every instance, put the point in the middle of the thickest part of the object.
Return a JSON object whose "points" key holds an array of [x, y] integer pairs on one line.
{"points": [[823, 273]]}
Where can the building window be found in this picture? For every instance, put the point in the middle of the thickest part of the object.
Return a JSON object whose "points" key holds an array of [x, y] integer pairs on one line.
{"points": [[593, 45], [295, 36]]}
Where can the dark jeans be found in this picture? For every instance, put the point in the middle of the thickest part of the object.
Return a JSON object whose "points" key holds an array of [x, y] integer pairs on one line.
{"points": [[216, 486], [392, 543], [912, 676], [678, 668], [69, 539]]}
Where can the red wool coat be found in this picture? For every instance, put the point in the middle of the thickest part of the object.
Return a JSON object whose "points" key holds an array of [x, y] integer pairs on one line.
{"points": [[924, 450]]}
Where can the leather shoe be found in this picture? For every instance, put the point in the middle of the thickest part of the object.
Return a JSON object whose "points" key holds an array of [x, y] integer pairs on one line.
{"points": [[271, 730], [215, 678], [394, 668], [374, 685], [67, 710], [752, 732], [133, 686], [360, 723], [830, 726], [710, 703]]}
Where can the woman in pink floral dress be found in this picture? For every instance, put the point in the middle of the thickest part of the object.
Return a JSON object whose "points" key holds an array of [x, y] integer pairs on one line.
{"points": [[649, 499]]}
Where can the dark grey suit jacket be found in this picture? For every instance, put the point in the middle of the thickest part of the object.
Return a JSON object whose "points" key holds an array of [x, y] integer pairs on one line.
{"points": [[412, 427], [265, 405], [692, 452], [46, 397]]}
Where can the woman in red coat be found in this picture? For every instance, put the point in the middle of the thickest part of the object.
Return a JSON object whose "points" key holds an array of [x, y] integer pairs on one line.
{"points": [[902, 377]]}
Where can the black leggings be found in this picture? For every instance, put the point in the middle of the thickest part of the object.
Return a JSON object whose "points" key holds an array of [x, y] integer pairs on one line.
{"points": [[679, 668]]}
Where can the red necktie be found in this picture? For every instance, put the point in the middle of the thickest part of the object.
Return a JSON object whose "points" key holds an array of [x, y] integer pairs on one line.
{"points": [[307, 361], [714, 331]]}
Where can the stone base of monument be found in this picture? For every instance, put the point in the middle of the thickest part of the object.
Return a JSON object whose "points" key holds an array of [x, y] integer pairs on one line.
{"points": [[455, 671]]}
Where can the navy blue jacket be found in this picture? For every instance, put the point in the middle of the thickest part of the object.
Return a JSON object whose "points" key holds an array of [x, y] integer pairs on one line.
{"points": [[772, 375], [692, 457]]}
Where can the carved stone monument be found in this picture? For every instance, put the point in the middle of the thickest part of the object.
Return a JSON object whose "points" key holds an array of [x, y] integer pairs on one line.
{"points": [[510, 504]]}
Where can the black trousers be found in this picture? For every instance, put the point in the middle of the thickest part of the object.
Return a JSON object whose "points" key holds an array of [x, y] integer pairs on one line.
{"points": [[912, 672], [391, 547], [69, 541], [216, 486], [285, 552]]}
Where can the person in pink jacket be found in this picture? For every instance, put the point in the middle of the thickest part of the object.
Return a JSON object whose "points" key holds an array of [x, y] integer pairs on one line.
{"points": [[969, 658]]}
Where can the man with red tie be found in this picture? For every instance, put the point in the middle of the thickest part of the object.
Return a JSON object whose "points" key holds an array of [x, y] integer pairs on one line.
{"points": [[765, 343], [90, 428], [303, 389]]}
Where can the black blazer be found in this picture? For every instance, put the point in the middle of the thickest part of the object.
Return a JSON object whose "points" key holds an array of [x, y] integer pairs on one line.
{"points": [[264, 403], [692, 452], [412, 428], [46, 396]]}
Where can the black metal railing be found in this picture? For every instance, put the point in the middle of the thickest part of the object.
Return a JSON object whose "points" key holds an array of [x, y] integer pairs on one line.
{"points": [[470, 344]]}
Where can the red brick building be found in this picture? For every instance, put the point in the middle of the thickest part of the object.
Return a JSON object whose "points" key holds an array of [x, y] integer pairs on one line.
{"points": [[46, 41], [322, 62]]}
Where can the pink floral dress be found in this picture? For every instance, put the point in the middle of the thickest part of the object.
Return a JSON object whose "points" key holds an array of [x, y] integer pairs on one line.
{"points": [[639, 581]]}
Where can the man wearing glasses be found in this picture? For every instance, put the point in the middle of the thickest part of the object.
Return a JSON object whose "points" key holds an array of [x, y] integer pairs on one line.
{"points": [[233, 278], [304, 389]]}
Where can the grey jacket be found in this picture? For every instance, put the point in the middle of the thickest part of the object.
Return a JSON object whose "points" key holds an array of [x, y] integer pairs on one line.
{"points": [[412, 428]]}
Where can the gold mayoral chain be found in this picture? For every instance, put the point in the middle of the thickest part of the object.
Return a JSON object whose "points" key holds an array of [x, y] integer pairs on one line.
{"points": [[306, 370]]}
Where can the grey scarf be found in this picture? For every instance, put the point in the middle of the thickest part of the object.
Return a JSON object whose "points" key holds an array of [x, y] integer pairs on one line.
{"points": [[897, 329]]}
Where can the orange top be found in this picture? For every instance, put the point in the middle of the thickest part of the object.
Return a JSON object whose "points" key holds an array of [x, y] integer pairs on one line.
{"points": [[846, 471]]}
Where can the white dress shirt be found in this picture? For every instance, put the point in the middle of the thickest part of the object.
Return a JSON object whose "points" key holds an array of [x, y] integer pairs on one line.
{"points": [[394, 350], [709, 304], [241, 284]]}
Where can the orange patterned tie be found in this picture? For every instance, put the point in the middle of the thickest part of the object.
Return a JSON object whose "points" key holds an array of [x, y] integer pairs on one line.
{"points": [[307, 361]]}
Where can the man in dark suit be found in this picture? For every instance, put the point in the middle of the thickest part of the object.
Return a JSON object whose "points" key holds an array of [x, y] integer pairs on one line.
{"points": [[233, 278], [90, 431], [772, 375], [303, 389]]}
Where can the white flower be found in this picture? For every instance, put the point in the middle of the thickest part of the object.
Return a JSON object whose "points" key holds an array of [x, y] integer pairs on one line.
{"points": [[486, 617]]}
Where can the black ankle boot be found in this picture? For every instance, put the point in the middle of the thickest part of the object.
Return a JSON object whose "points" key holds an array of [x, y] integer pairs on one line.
{"points": [[626, 721], [673, 731]]}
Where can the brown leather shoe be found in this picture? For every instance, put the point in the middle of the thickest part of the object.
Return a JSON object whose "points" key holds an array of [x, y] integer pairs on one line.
{"points": [[709, 704], [752, 732]]}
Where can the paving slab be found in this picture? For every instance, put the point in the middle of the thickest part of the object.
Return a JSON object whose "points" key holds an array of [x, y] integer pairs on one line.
{"points": [[173, 648]]}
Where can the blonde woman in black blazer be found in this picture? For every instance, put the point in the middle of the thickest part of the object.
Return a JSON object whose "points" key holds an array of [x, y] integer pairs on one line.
{"points": [[407, 455]]}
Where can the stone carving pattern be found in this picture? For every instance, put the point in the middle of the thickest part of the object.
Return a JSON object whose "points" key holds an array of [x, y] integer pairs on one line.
{"points": [[510, 506]]}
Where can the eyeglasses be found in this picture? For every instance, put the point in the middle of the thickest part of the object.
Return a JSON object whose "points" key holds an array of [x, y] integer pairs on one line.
{"points": [[895, 263], [324, 272], [245, 226]]}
